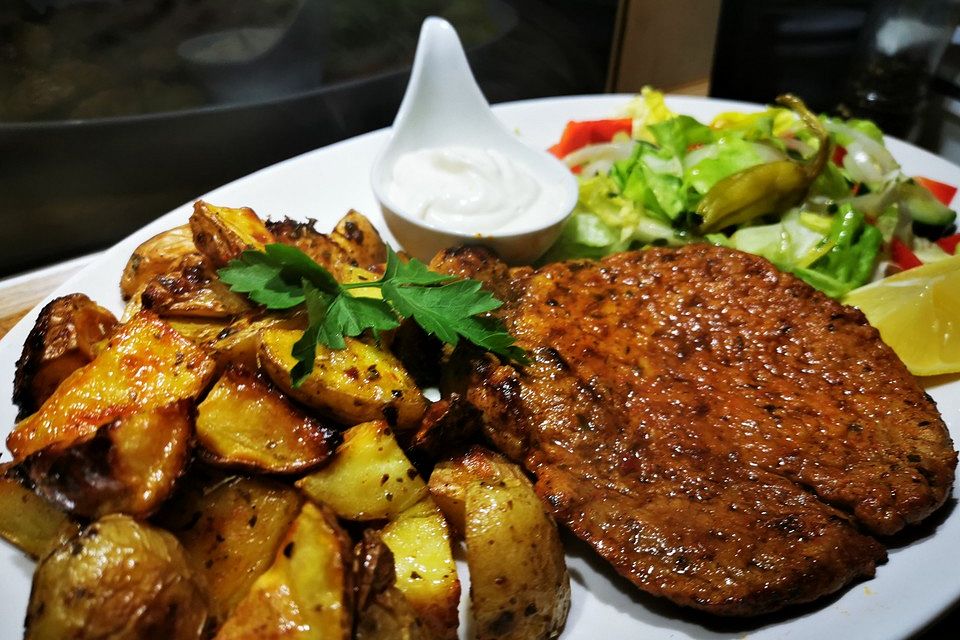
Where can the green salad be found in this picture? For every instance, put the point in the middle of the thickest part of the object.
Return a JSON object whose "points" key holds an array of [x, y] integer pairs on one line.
{"points": [[820, 197]]}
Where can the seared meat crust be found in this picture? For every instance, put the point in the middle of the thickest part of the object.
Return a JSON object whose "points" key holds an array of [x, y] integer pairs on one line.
{"points": [[716, 429]]}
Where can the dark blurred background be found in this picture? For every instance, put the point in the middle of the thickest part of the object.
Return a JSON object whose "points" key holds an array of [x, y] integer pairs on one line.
{"points": [[112, 112]]}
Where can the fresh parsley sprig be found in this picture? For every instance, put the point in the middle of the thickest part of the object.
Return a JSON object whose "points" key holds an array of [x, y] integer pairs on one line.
{"points": [[283, 277]]}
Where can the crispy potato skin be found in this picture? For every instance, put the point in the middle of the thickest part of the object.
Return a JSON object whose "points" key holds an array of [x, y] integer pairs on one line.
{"points": [[519, 585], [308, 591], [230, 529], [246, 422], [27, 521], [146, 365], [355, 384], [62, 340], [157, 256], [116, 579], [360, 240], [425, 571], [382, 612], [130, 466], [369, 477], [447, 428], [191, 289], [222, 233]]}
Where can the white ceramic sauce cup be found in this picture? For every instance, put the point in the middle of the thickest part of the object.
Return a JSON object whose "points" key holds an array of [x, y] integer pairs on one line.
{"points": [[442, 107]]}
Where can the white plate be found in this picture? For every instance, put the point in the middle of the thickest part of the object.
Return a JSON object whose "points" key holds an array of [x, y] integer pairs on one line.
{"points": [[920, 580]]}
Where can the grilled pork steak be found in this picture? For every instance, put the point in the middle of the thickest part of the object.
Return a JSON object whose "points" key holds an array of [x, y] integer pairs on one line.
{"points": [[719, 431]]}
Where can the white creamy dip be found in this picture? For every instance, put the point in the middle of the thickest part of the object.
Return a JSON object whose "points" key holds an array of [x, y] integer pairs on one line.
{"points": [[470, 190]]}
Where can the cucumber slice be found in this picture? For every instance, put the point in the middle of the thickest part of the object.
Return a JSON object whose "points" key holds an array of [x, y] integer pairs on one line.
{"points": [[923, 207]]}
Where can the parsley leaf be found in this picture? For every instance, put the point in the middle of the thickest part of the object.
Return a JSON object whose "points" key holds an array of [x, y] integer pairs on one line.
{"points": [[283, 277], [440, 310], [349, 316], [305, 349], [259, 276], [412, 272]]}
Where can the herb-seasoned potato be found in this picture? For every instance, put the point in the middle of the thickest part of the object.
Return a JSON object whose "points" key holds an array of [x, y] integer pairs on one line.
{"points": [[246, 422], [308, 591], [426, 573], [353, 385], [369, 477], [448, 487], [130, 466], [62, 340], [146, 365], [382, 611], [230, 529], [199, 330], [116, 579], [239, 343], [192, 290], [29, 522], [222, 234], [519, 585], [360, 240], [157, 256]]}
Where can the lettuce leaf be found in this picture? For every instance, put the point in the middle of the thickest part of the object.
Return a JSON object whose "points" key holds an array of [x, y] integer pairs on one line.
{"points": [[850, 262], [606, 222], [727, 156], [676, 135], [647, 108], [834, 254]]}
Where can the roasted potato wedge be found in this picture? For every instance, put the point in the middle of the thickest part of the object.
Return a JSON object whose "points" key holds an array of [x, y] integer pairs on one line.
{"points": [[360, 240], [116, 579], [239, 343], [230, 529], [448, 487], [369, 477], [382, 611], [192, 290], [157, 256], [130, 466], [519, 585], [199, 330], [222, 234], [425, 570], [353, 385], [146, 365], [308, 591], [62, 340], [245, 422], [29, 522]]}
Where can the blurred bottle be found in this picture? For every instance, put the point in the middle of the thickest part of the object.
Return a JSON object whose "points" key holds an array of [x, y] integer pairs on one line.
{"points": [[900, 46]]}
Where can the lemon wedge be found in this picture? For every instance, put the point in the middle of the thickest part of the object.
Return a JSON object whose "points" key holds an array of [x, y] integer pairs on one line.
{"points": [[918, 314]]}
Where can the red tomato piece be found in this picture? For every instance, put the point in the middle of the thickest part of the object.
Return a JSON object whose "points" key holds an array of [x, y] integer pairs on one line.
{"points": [[902, 256], [949, 244], [577, 135], [940, 190], [839, 153]]}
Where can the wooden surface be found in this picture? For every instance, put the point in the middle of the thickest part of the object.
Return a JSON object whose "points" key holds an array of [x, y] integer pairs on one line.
{"points": [[21, 293]]}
